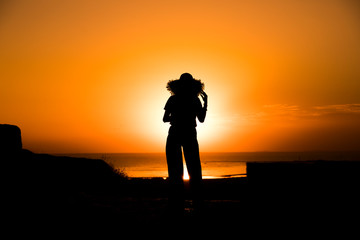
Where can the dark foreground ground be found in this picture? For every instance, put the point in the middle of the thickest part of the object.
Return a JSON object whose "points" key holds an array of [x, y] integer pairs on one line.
{"points": [[44, 191]]}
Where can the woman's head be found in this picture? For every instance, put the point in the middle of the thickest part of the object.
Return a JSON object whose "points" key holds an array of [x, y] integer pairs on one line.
{"points": [[186, 85]]}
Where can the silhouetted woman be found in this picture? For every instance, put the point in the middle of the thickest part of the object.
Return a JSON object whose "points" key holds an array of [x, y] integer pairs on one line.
{"points": [[181, 110]]}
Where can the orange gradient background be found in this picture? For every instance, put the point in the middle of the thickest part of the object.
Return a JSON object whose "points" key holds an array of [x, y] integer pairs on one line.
{"points": [[90, 76]]}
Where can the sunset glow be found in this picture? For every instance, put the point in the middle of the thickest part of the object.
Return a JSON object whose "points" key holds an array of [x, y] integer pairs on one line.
{"points": [[90, 76]]}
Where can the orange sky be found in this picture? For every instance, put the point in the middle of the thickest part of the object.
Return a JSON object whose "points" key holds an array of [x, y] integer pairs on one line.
{"points": [[90, 76]]}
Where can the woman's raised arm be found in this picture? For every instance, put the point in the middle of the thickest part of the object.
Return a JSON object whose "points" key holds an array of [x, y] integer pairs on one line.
{"points": [[202, 113]]}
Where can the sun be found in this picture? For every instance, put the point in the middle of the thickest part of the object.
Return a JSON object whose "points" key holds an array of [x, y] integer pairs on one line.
{"points": [[131, 102], [186, 176]]}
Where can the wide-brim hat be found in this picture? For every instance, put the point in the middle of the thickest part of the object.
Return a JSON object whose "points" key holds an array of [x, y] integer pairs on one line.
{"points": [[186, 84]]}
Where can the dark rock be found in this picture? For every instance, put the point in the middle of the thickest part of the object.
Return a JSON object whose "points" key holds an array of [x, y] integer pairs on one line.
{"points": [[10, 139]]}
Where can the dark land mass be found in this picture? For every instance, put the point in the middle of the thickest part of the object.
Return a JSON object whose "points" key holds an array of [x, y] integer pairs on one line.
{"points": [[44, 190], [77, 190]]}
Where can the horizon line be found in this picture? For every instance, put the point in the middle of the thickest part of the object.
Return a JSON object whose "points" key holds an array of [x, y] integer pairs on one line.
{"points": [[214, 152]]}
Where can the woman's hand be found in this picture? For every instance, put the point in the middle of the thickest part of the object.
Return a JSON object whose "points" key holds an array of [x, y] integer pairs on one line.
{"points": [[204, 96], [202, 114]]}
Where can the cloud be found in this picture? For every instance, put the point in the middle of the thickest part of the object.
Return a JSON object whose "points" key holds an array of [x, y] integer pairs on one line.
{"points": [[326, 127], [282, 107], [339, 108], [269, 112], [297, 112], [290, 127]]}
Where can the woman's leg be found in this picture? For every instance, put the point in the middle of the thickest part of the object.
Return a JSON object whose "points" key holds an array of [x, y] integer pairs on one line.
{"points": [[175, 170], [174, 159], [192, 158]]}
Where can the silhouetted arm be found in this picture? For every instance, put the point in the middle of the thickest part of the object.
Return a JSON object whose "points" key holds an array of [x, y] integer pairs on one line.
{"points": [[202, 113], [166, 117]]}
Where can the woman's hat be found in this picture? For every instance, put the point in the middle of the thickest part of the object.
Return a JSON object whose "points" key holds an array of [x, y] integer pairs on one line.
{"points": [[186, 77], [186, 85]]}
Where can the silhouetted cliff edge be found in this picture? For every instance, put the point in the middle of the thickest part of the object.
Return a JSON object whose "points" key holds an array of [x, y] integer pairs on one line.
{"points": [[46, 185], [47, 169]]}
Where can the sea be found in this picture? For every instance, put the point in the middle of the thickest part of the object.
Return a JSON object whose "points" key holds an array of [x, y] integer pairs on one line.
{"points": [[214, 165]]}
